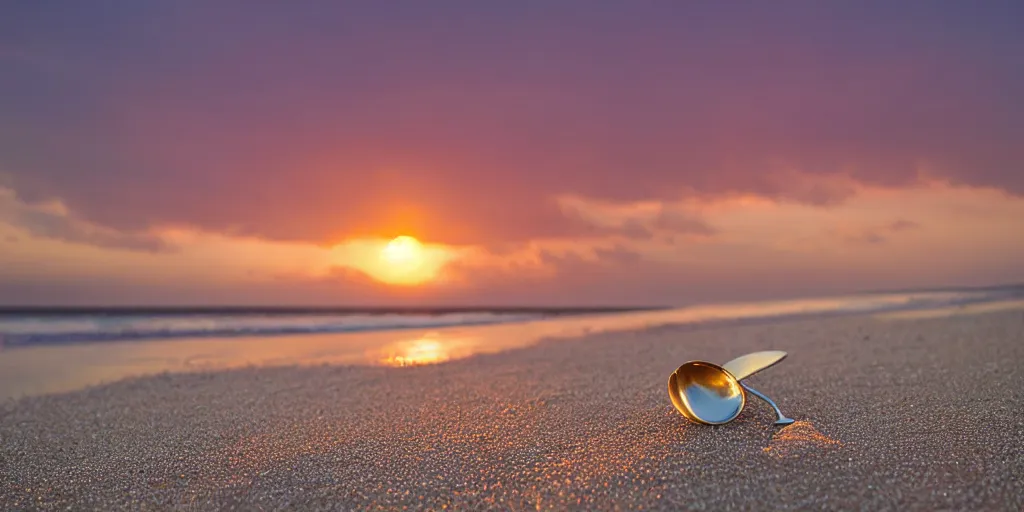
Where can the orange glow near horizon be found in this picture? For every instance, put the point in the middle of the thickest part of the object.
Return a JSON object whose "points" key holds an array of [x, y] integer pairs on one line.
{"points": [[401, 261], [876, 237]]}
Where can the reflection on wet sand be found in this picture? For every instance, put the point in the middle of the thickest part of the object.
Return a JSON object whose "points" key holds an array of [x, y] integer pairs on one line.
{"points": [[425, 350], [965, 309]]}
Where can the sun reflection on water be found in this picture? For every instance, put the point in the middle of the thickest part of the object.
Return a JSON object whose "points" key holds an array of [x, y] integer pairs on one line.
{"points": [[419, 351]]}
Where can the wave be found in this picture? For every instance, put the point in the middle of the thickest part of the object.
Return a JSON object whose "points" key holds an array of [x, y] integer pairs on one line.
{"points": [[26, 328], [57, 329]]}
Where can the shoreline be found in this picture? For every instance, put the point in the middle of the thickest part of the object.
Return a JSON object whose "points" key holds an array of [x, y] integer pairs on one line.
{"points": [[58, 368]]}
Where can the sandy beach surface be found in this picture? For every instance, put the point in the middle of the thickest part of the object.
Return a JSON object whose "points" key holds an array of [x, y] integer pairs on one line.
{"points": [[909, 412]]}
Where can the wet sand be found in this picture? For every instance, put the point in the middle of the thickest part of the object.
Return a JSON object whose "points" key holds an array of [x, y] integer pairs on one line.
{"points": [[894, 412]]}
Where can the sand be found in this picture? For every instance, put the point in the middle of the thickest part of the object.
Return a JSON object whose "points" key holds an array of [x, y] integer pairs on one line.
{"points": [[894, 413]]}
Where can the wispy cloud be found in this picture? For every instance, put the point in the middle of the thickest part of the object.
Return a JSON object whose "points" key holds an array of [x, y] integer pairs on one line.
{"points": [[903, 225], [637, 219], [757, 247], [53, 220]]}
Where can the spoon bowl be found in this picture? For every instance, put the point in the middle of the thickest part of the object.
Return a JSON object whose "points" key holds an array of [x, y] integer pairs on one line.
{"points": [[706, 393]]}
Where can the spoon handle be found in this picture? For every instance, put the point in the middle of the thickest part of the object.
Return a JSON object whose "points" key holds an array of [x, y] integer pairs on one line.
{"points": [[780, 419], [745, 366]]}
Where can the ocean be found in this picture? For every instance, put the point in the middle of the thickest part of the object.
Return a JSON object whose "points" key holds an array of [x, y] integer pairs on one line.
{"points": [[59, 350], [49, 326], [43, 326]]}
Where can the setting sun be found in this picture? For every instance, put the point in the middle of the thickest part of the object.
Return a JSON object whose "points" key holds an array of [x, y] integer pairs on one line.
{"points": [[402, 261], [406, 261], [403, 250]]}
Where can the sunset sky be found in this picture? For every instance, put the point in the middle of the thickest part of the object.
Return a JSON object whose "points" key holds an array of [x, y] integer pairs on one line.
{"points": [[541, 152]]}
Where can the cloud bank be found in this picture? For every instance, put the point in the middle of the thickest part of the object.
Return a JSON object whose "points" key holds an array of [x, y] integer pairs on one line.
{"points": [[274, 126]]}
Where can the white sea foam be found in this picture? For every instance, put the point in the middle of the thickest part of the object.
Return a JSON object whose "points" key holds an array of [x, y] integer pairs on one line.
{"points": [[36, 329], [49, 329]]}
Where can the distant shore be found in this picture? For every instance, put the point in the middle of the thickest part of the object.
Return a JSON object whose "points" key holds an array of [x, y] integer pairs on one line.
{"points": [[901, 410]]}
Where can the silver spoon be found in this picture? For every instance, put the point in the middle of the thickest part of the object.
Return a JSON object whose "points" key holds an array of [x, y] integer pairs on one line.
{"points": [[711, 394]]}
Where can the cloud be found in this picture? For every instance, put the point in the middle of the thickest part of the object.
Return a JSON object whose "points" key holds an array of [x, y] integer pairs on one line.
{"points": [[760, 249], [639, 220], [638, 159], [349, 133], [903, 225], [806, 187], [681, 223], [618, 255], [590, 259], [867, 238], [879, 234], [53, 220]]}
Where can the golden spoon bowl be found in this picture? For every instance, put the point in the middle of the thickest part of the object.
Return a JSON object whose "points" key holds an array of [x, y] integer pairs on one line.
{"points": [[706, 393]]}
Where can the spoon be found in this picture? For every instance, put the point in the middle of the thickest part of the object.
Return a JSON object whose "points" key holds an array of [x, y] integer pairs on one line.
{"points": [[711, 394]]}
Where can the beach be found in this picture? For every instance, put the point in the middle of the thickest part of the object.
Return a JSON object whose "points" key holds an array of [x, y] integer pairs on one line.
{"points": [[894, 411]]}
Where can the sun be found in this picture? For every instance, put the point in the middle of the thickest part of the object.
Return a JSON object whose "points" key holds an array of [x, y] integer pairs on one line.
{"points": [[399, 261], [404, 251]]}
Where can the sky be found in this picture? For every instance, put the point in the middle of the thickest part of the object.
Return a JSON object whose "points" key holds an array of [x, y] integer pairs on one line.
{"points": [[540, 152]]}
